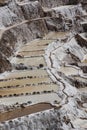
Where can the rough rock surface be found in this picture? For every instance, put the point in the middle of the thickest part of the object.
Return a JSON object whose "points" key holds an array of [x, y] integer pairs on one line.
{"points": [[66, 59], [14, 29], [4, 62], [58, 57], [14, 16]]}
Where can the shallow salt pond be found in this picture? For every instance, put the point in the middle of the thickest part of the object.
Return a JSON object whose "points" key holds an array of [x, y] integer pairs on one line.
{"points": [[81, 123], [55, 35], [29, 89], [24, 73], [34, 98], [30, 54], [32, 61], [69, 70], [31, 48], [24, 81], [83, 89]]}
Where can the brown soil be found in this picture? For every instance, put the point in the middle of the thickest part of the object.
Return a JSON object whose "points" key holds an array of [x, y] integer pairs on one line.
{"points": [[24, 111]]}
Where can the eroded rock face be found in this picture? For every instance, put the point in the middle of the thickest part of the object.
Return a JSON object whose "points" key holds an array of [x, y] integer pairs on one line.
{"points": [[15, 31], [15, 13], [48, 3], [66, 18], [4, 64], [62, 54]]}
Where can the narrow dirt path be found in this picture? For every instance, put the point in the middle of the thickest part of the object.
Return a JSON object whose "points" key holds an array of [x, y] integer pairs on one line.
{"points": [[2, 31]]}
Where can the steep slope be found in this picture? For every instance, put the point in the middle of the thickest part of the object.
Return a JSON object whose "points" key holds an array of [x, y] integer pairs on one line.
{"points": [[22, 31], [47, 87]]}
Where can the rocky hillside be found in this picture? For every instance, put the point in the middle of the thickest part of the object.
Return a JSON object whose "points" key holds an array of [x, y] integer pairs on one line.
{"points": [[16, 30], [44, 43]]}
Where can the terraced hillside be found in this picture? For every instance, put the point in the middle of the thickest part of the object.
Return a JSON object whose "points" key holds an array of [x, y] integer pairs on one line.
{"points": [[44, 65], [33, 84]]}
